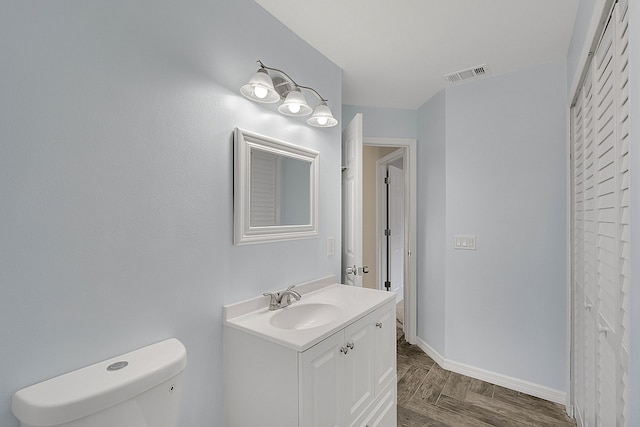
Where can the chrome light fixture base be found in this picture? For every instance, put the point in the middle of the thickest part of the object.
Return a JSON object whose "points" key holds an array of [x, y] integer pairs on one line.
{"points": [[282, 86]]}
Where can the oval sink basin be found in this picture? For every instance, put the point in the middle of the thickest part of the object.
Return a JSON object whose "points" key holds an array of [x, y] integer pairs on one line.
{"points": [[305, 316]]}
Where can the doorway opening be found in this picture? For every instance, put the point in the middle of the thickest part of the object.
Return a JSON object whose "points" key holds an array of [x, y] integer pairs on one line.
{"points": [[388, 230], [353, 267], [383, 220]]}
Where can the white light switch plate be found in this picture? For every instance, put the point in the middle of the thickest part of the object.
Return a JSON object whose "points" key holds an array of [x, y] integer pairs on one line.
{"points": [[465, 242]]}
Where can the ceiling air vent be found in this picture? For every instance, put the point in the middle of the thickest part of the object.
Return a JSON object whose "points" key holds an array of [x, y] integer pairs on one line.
{"points": [[469, 73]]}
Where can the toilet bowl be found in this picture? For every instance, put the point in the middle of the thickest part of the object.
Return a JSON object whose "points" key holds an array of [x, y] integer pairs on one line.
{"points": [[137, 389]]}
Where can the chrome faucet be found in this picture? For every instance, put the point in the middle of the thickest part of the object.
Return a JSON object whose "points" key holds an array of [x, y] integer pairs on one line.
{"points": [[282, 299]]}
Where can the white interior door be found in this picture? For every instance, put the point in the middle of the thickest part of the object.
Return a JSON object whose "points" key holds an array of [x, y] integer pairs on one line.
{"points": [[396, 225], [352, 202]]}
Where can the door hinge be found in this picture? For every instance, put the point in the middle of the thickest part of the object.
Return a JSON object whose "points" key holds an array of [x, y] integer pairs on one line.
{"points": [[387, 180], [387, 284], [387, 232]]}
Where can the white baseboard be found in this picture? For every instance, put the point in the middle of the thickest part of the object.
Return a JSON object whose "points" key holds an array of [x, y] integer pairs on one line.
{"points": [[431, 352], [578, 417], [523, 386]]}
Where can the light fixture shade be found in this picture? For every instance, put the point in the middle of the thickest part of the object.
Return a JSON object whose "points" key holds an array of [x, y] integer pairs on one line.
{"points": [[295, 104], [260, 88], [322, 117]]}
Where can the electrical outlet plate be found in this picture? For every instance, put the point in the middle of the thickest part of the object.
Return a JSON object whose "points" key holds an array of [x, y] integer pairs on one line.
{"points": [[331, 246], [465, 242]]}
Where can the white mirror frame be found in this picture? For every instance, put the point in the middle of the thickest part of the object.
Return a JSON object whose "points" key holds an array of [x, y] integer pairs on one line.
{"points": [[244, 233]]}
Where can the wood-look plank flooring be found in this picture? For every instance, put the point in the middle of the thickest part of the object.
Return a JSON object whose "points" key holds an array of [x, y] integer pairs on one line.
{"points": [[431, 396]]}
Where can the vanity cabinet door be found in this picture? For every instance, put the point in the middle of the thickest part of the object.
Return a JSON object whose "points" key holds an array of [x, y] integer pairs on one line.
{"points": [[359, 388], [385, 346], [321, 379], [383, 412], [349, 376]]}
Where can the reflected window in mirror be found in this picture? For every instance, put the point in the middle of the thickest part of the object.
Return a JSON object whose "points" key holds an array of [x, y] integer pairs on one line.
{"points": [[280, 190]]}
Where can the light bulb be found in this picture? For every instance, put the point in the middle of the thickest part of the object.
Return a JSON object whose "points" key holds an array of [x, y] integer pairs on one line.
{"points": [[322, 120], [294, 107], [260, 91]]}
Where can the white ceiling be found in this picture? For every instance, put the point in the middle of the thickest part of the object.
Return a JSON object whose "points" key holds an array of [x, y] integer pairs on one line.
{"points": [[394, 52]]}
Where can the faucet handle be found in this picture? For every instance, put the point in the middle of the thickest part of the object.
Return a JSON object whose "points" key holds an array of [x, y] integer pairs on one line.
{"points": [[274, 301], [290, 291], [285, 296]]}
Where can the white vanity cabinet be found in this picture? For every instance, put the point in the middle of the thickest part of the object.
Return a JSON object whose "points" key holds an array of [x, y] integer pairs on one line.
{"points": [[343, 375], [346, 379]]}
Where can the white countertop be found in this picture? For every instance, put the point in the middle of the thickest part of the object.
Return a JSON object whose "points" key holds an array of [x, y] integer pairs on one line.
{"points": [[253, 315]]}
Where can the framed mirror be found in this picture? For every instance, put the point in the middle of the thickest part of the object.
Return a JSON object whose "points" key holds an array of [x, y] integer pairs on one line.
{"points": [[275, 189]]}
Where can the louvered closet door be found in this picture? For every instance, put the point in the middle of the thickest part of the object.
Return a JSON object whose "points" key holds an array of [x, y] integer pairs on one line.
{"points": [[622, 176], [607, 232], [589, 318], [578, 249], [600, 242], [578, 245], [584, 254]]}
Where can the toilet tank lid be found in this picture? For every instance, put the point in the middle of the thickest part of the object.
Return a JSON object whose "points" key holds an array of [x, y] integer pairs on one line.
{"points": [[94, 388]]}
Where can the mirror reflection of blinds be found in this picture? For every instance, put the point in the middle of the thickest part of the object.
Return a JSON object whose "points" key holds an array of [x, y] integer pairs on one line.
{"points": [[265, 189]]}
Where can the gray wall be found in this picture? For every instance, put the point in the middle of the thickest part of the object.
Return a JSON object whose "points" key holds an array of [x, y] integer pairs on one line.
{"points": [[505, 182], [492, 162], [431, 214], [116, 123], [383, 122]]}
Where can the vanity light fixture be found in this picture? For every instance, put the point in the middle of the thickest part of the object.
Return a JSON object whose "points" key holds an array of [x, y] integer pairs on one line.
{"points": [[260, 88], [267, 89]]}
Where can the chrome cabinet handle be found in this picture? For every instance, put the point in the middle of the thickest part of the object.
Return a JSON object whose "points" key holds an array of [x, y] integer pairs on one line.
{"points": [[346, 349]]}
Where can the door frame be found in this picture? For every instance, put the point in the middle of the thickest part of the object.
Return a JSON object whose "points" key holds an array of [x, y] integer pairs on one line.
{"points": [[410, 212]]}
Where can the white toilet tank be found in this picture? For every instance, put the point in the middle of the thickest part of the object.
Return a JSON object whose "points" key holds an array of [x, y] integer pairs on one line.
{"points": [[138, 389]]}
